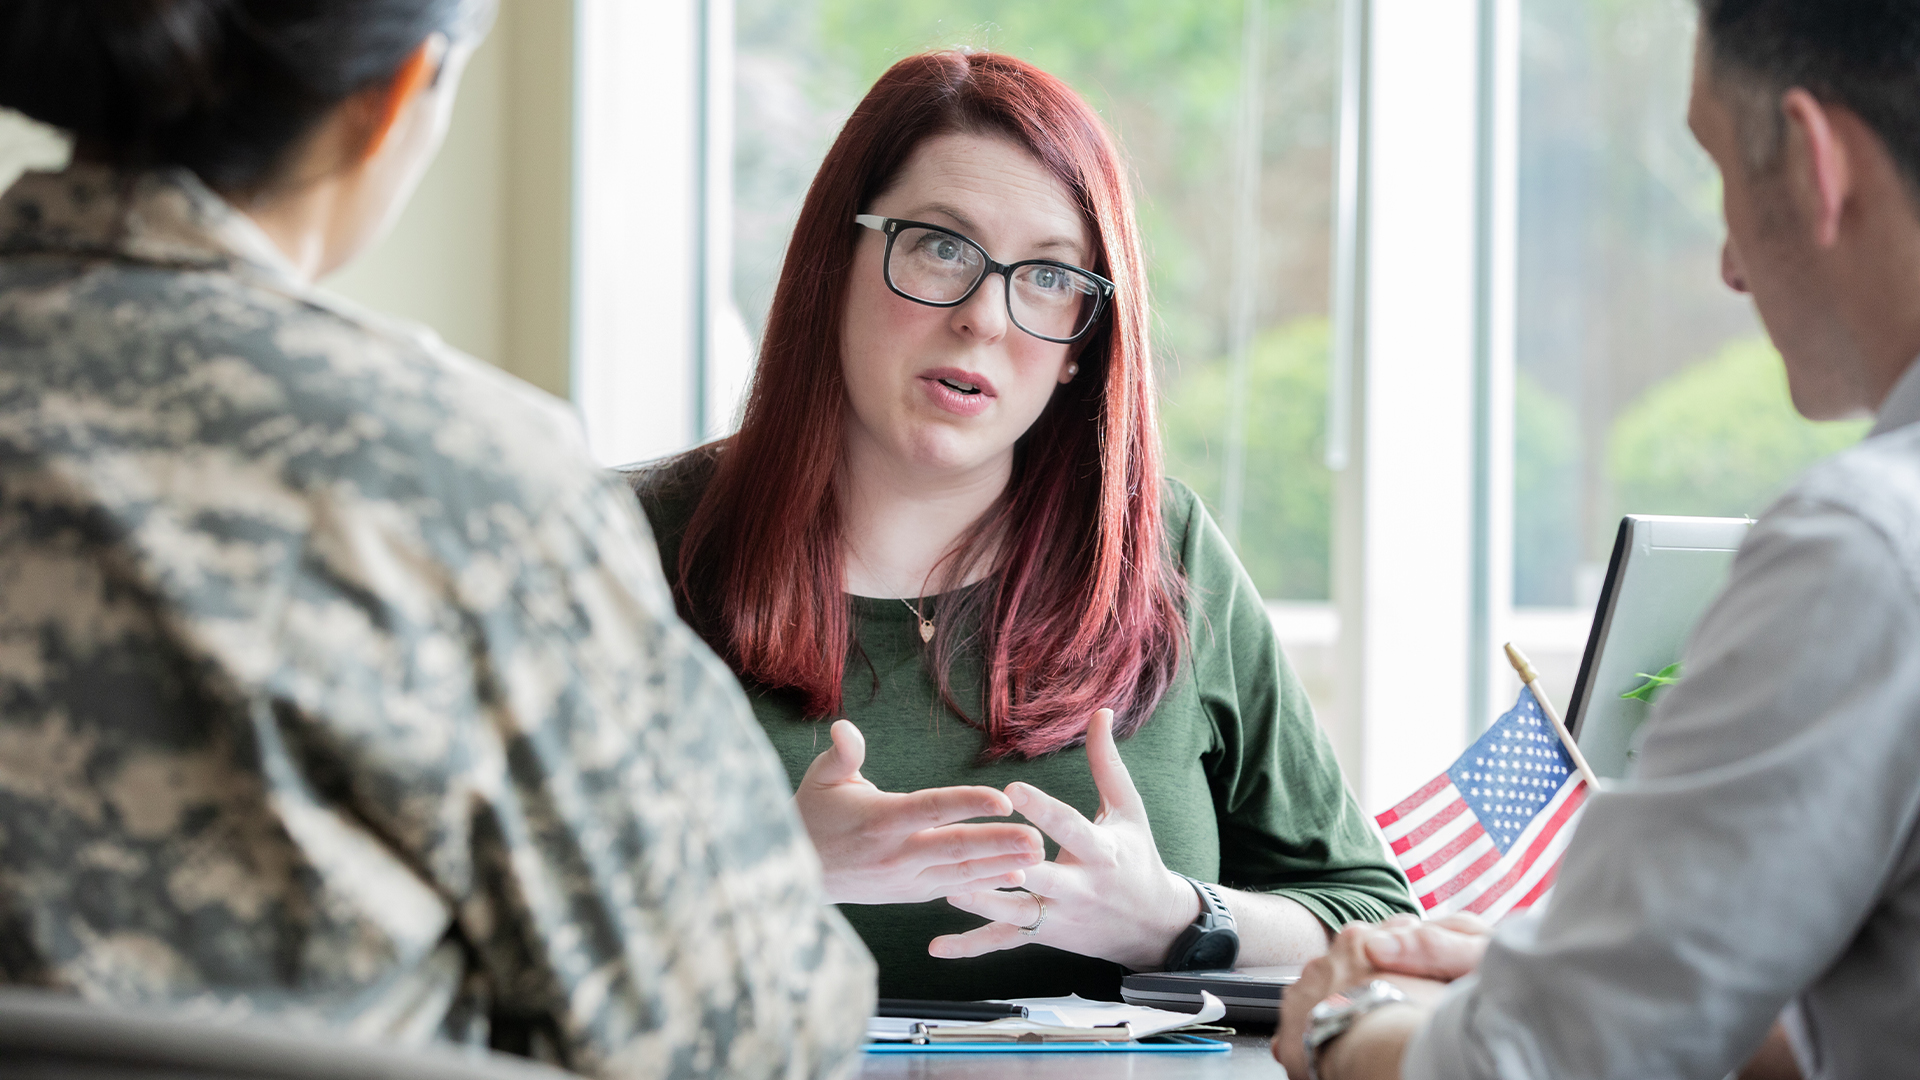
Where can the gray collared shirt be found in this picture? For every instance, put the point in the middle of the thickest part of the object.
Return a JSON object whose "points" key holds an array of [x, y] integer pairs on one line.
{"points": [[1763, 862], [338, 687]]}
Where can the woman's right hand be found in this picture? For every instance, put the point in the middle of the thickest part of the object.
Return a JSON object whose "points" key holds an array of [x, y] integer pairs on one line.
{"points": [[879, 847]]}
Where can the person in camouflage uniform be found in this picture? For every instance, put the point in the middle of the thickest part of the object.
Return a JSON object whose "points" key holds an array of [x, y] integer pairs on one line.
{"points": [[338, 688]]}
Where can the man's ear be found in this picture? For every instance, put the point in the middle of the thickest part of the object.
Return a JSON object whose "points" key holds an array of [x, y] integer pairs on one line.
{"points": [[383, 104], [1826, 171]]}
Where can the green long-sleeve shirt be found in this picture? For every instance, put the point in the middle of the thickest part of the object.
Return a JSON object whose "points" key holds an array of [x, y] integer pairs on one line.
{"points": [[1239, 783]]}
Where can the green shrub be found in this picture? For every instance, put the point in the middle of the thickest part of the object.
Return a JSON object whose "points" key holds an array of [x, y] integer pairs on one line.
{"points": [[1720, 439], [1546, 495], [1287, 511]]}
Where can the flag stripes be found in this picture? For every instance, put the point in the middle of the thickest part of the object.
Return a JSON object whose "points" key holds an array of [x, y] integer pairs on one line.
{"points": [[1413, 801], [1535, 865], [1432, 825], [1474, 837], [1486, 836]]}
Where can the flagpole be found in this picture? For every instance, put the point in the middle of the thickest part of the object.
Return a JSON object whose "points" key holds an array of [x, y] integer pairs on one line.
{"points": [[1527, 675]]}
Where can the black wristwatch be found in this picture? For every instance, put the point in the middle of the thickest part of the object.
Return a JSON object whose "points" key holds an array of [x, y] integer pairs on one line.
{"points": [[1211, 943]]}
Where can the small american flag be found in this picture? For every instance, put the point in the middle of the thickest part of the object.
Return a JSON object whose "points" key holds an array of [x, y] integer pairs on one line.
{"points": [[1486, 835]]}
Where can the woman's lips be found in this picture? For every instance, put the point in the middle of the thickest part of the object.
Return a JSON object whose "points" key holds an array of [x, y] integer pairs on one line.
{"points": [[962, 393]]}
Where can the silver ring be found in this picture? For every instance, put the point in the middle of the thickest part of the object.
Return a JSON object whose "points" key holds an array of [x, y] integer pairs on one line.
{"points": [[1042, 917]]}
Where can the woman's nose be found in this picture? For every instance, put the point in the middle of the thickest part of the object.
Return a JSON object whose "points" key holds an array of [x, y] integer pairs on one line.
{"points": [[984, 315]]}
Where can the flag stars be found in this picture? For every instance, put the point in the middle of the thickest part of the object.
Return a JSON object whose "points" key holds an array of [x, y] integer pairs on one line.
{"points": [[1511, 773], [1508, 778]]}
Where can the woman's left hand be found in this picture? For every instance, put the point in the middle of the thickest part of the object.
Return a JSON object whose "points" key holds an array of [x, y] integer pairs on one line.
{"points": [[1107, 895]]}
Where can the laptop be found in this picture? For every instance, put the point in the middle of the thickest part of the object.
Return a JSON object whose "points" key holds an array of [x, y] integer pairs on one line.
{"points": [[1251, 995], [1663, 573]]}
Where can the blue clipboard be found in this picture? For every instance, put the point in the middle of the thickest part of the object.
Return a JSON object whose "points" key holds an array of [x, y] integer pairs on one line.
{"points": [[1163, 1044]]}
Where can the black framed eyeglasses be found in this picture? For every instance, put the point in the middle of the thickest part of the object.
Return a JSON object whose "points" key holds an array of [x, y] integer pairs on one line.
{"points": [[932, 265]]}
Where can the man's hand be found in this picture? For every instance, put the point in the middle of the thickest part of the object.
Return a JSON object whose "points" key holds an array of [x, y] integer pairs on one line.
{"points": [[1372, 1047], [1445, 948], [877, 847]]}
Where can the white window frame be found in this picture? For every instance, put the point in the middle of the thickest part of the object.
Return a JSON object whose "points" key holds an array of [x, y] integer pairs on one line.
{"points": [[1423, 382], [660, 355]]}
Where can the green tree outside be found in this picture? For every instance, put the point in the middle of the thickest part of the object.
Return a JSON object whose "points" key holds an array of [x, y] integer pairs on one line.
{"points": [[1546, 494], [1720, 439], [1287, 509]]}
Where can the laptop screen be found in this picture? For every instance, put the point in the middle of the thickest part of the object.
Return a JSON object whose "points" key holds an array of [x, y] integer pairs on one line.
{"points": [[1663, 574]]}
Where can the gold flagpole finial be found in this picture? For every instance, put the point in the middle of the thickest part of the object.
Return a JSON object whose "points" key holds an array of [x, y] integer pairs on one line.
{"points": [[1520, 664], [1527, 675]]}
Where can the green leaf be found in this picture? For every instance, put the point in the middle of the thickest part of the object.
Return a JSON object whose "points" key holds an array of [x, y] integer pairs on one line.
{"points": [[1666, 677]]}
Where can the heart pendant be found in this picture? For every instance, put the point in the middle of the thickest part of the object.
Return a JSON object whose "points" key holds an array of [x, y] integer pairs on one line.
{"points": [[926, 629]]}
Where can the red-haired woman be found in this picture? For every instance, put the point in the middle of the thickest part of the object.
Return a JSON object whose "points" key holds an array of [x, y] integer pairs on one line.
{"points": [[943, 517]]}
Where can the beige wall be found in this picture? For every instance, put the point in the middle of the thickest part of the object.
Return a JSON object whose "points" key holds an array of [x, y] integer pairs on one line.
{"points": [[483, 252]]}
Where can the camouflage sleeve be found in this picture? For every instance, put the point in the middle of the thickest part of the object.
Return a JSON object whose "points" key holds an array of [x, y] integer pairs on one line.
{"points": [[642, 877], [338, 687], [331, 767]]}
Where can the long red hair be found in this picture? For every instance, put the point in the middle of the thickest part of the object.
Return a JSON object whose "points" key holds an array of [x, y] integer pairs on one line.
{"points": [[1083, 609]]}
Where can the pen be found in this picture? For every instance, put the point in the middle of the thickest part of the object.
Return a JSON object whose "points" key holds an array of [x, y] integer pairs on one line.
{"points": [[947, 1010]]}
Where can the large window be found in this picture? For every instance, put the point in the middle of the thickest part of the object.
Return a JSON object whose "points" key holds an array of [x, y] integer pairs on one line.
{"points": [[1530, 339], [1637, 382], [1643, 384]]}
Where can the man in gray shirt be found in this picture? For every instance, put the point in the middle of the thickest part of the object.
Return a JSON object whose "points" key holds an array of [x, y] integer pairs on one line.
{"points": [[1760, 873]]}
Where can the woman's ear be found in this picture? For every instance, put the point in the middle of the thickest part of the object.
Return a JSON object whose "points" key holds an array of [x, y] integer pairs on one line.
{"points": [[1070, 370], [382, 105]]}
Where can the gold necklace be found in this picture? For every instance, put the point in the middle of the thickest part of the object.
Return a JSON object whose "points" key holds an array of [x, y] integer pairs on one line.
{"points": [[926, 624]]}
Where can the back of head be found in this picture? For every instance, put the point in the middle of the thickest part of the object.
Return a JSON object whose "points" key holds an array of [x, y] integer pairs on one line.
{"points": [[225, 88], [1863, 55]]}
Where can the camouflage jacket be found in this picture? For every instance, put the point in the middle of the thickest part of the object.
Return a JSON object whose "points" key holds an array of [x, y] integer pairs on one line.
{"points": [[338, 687]]}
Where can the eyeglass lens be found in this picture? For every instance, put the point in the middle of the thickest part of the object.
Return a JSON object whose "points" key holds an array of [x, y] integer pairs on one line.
{"points": [[939, 267]]}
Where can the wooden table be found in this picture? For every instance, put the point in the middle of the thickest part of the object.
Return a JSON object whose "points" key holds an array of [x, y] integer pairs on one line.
{"points": [[1250, 1060]]}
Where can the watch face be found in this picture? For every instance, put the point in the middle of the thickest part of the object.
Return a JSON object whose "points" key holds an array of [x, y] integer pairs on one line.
{"points": [[1216, 950]]}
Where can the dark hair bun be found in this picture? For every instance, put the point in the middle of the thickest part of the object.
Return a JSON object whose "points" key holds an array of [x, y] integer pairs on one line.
{"points": [[222, 87]]}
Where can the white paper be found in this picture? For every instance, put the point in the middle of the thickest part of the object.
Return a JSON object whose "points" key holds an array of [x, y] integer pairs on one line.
{"points": [[890, 1028], [1072, 1011], [1077, 1012]]}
